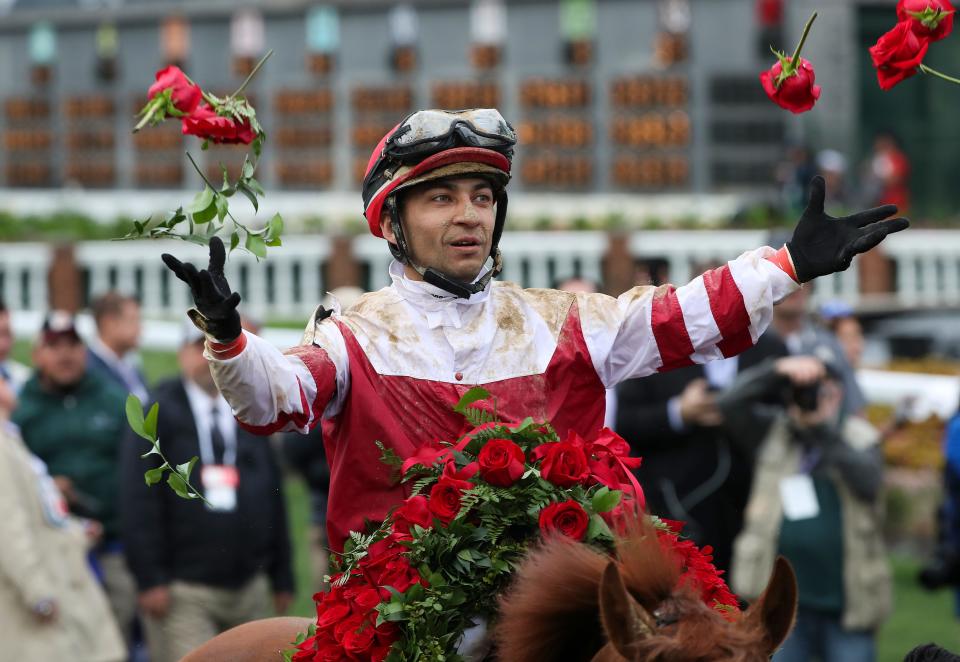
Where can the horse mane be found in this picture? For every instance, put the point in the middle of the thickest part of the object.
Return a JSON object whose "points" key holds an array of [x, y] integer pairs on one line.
{"points": [[552, 611]]}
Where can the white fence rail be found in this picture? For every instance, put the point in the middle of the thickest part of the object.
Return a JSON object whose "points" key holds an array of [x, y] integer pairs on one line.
{"points": [[292, 280]]}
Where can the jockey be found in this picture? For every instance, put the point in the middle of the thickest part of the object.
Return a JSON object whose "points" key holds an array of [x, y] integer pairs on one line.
{"points": [[390, 368]]}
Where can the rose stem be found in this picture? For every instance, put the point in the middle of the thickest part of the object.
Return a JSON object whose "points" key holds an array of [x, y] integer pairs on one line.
{"points": [[253, 73], [927, 70]]}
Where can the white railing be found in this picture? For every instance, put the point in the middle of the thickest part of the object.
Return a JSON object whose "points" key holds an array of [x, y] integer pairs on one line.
{"points": [[291, 281]]}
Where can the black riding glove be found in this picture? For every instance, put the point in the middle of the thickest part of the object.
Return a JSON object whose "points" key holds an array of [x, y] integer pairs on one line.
{"points": [[216, 304], [822, 244]]}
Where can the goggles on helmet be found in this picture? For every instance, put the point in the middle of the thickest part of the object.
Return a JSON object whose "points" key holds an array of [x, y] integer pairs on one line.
{"points": [[427, 132]]}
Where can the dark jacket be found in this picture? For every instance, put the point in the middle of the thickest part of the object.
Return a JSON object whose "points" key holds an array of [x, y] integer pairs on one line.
{"points": [[700, 475], [78, 433], [168, 538]]}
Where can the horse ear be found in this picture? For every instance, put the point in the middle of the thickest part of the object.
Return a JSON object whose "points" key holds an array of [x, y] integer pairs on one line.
{"points": [[775, 610], [624, 619]]}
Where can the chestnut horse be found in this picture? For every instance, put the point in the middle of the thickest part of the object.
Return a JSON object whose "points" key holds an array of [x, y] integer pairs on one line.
{"points": [[571, 603]]}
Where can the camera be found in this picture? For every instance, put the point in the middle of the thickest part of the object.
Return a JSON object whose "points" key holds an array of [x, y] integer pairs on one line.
{"points": [[943, 570], [806, 397]]}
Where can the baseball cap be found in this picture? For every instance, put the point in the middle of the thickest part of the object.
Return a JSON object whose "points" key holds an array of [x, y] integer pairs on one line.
{"points": [[58, 324]]}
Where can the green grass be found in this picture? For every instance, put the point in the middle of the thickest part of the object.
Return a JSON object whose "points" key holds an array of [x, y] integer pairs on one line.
{"points": [[919, 616]]}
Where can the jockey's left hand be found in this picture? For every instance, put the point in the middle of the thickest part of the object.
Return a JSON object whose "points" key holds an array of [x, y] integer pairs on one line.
{"points": [[822, 244]]}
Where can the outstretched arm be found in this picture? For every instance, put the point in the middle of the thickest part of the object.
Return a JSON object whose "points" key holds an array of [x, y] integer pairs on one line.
{"points": [[268, 390], [723, 312]]}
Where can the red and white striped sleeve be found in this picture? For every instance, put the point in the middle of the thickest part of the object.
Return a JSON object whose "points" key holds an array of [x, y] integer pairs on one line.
{"points": [[718, 314], [272, 391]]}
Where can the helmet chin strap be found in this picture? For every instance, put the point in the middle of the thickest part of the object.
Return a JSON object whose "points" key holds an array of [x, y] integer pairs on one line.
{"points": [[454, 286]]}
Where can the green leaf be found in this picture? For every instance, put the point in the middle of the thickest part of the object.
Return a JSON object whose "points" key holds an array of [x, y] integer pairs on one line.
{"points": [[154, 476], [135, 416], [179, 485], [473, 395], [234, 240], [150, 422], [255, 187], [274, 230], [201, 201], [207, 214], [247, 169], [223, 207], [256, 245], [598, 529], [187, 467], [250, 195], [605, 500]]}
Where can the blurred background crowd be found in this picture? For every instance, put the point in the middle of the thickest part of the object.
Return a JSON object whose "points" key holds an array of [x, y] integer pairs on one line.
{"points": [[648, 154]]}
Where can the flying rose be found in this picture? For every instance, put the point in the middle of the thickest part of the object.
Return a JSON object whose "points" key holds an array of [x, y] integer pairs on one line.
{"points": [[567, 518], [796, 92], [790, 81], [204, 123], [929, 19], [184, 93], [897, 55], [501, 462]]}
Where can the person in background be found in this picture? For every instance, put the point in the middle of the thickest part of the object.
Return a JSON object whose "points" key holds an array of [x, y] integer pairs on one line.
{"points": [[11, 372], [793, 174], [51, 604], [816, 499], [74, 421], [943, 570], [838, 317], [832, 166], [887, 177], [118, 335], [202, 568], [794, 324]]}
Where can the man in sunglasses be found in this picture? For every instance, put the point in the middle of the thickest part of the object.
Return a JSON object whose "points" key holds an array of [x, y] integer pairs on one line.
{"points": [[390, 368]]}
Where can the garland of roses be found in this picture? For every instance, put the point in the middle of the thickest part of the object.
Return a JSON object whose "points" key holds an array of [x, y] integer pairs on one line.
{"points": [[409, 589]]}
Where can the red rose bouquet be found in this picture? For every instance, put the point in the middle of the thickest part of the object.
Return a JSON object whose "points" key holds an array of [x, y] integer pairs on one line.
{"points": [[410, 589]]}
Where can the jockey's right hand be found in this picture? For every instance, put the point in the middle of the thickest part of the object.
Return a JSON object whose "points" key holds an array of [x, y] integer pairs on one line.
{"points": [[216, 304]]}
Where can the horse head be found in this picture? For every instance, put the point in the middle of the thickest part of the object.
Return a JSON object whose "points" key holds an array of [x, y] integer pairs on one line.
{"points": [[683, 629], [571, 602]]}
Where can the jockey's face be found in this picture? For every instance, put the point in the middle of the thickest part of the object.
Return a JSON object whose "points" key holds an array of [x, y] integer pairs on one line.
{"points": [[448, 225]]}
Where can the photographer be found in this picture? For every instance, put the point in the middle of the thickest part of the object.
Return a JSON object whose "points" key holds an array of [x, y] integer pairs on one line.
{"points": [[816, 500], [944, 569]]}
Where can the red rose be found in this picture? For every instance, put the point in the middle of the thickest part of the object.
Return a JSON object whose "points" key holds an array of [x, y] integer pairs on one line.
{"points": [[445, 498], [924, 19], [204, 123], [359, 641], [427, 456], [399, 575], [414, 510], [897, 54], [564, 462], [796, 93], [567, 518], [185, 94], [501, 462]]}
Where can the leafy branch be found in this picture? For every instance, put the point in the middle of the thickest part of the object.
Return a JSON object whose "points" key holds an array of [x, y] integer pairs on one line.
{"points": [[178, 475]]}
